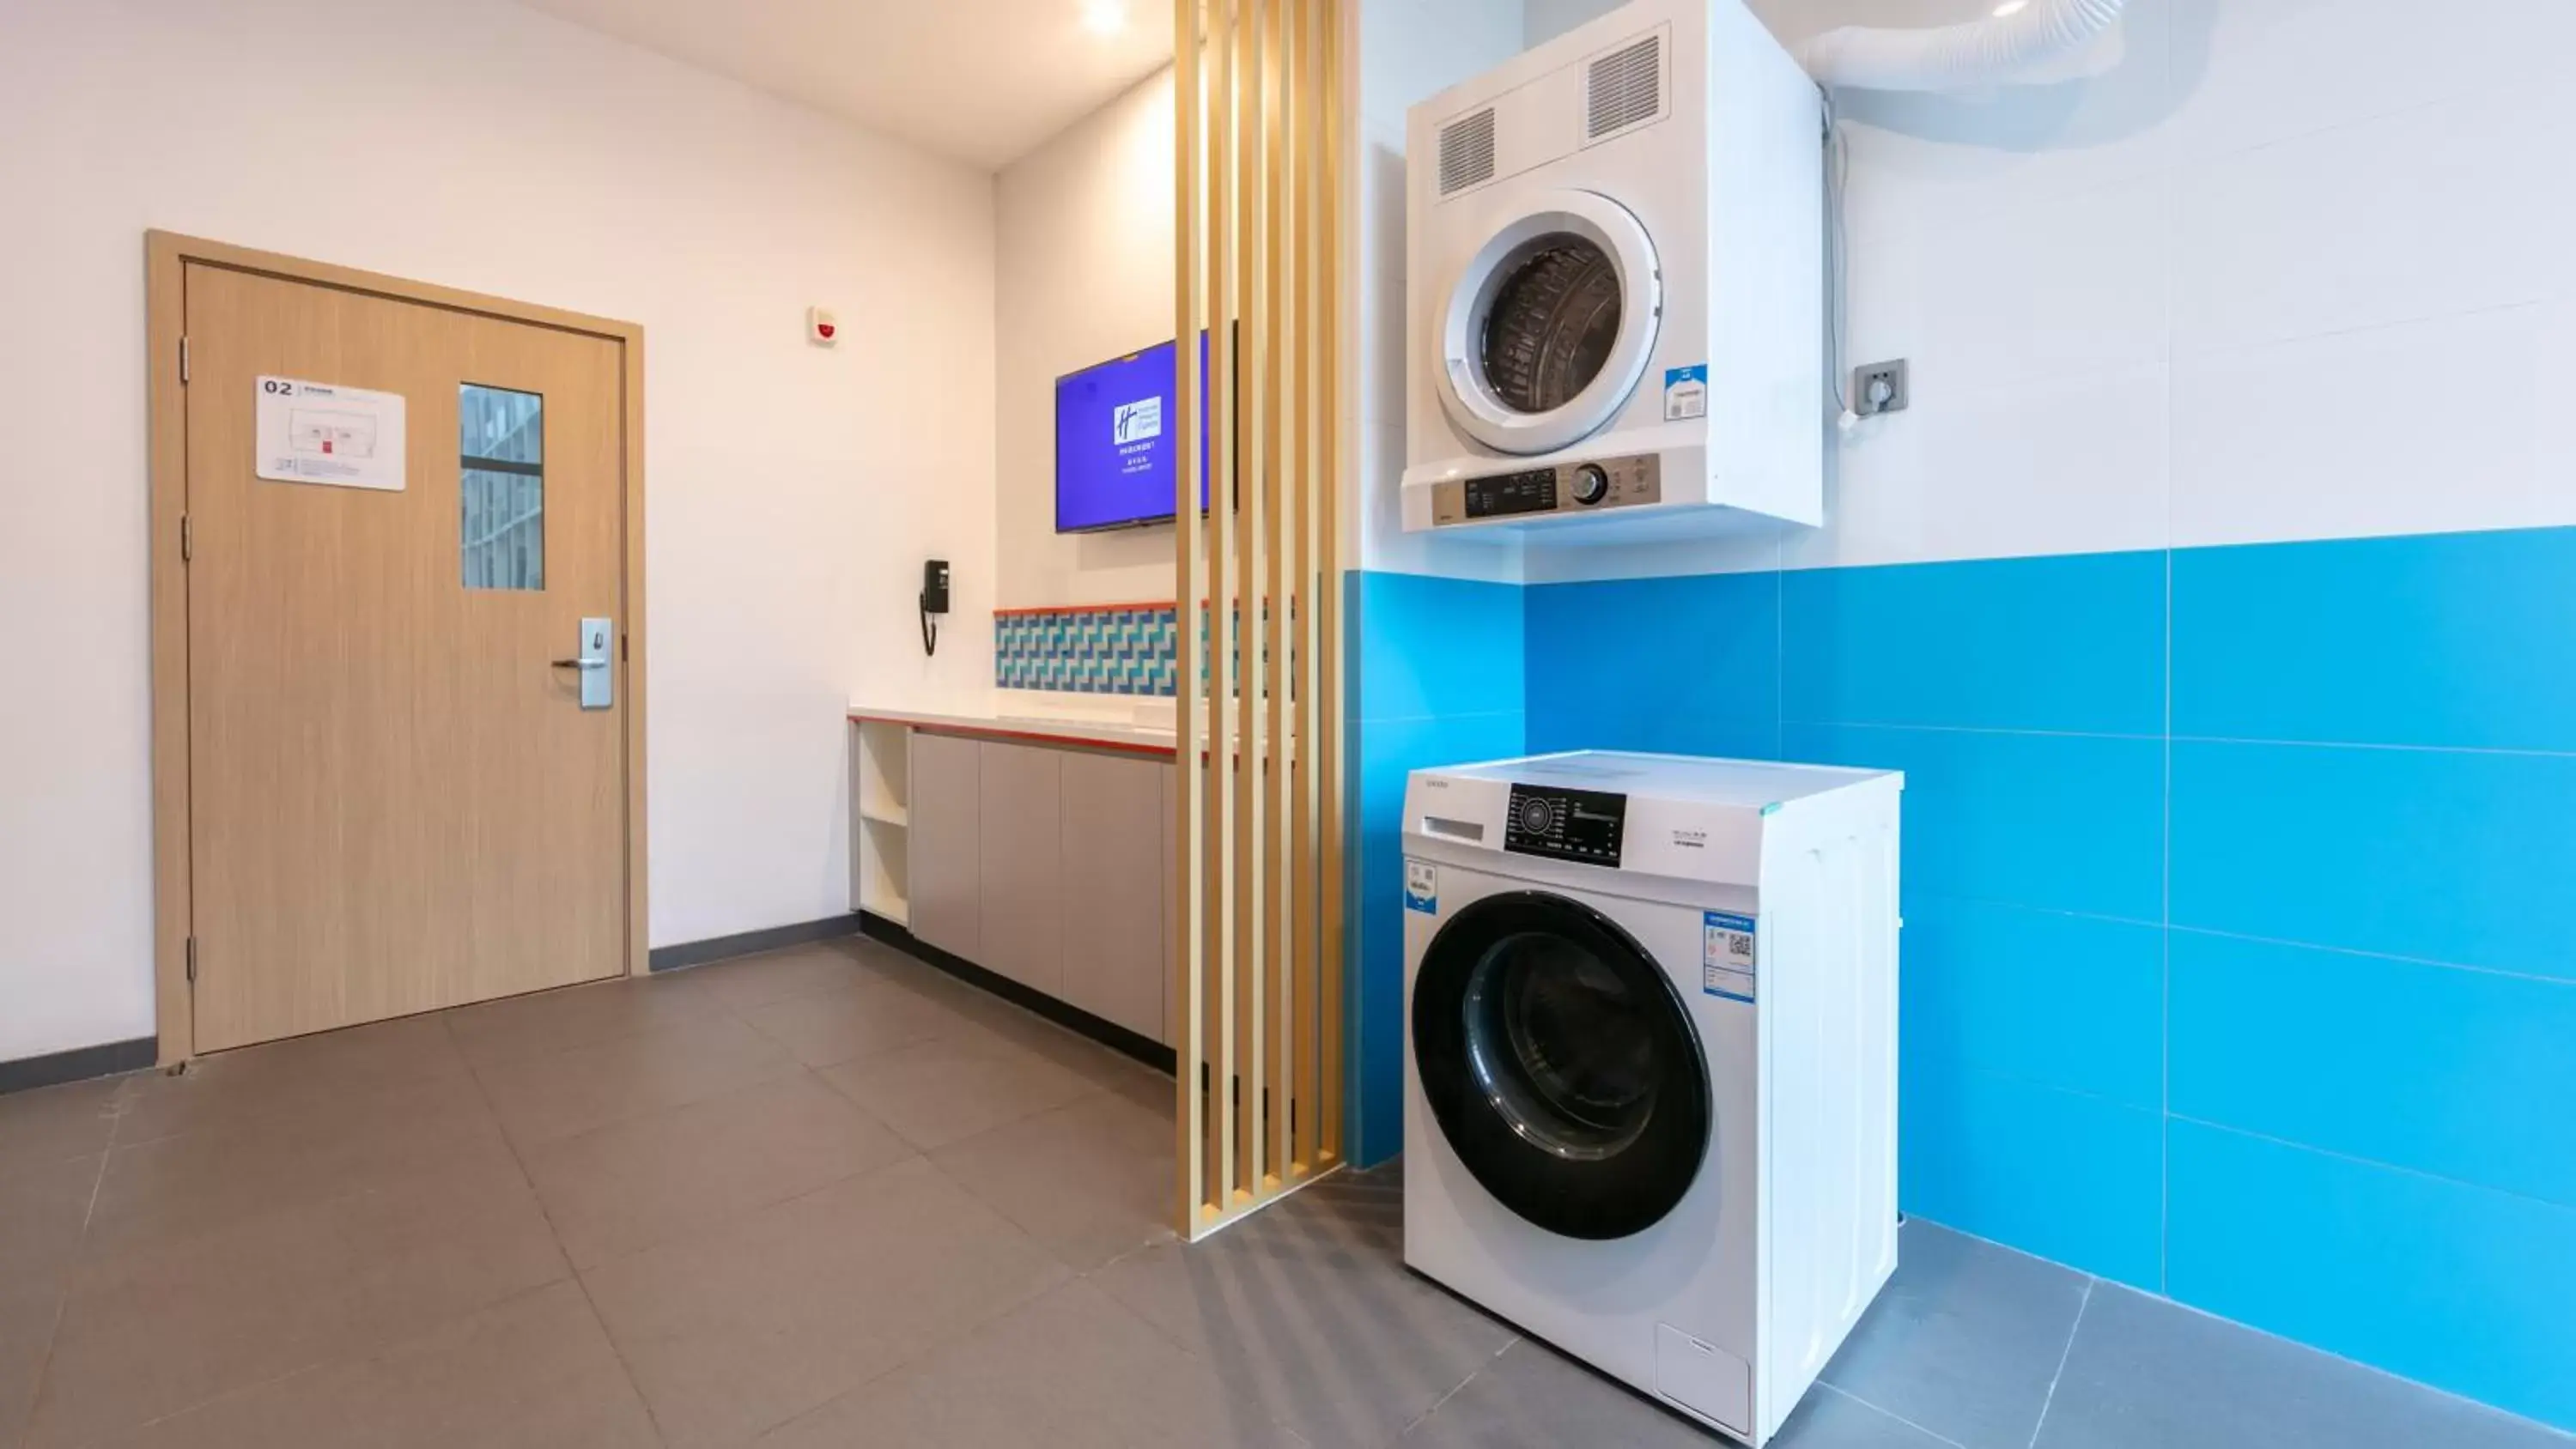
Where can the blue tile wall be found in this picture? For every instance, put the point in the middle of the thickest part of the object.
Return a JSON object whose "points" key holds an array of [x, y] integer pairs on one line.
{"points": [[2457, 641], [2064, 644], [1686, 666], [2461, 856], [2462, 1074], [2461, 1286], [2057, 822], [2236, 888], [2053, 998], [1435, 677], [2061, 1174]]}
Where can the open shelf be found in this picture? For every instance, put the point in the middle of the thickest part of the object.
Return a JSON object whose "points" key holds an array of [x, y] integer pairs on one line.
{"points": [[882, 885], [883, 771]]}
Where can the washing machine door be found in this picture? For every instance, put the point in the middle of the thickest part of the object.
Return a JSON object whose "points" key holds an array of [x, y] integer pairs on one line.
{"points": [[1561, 1064], [1550, 324]]}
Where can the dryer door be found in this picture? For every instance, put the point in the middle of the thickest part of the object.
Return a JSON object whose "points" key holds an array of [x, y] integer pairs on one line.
{"points": [[1550, 324], [1561, 1064]]}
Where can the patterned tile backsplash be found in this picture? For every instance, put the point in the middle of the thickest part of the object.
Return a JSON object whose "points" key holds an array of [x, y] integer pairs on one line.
{"points": [[1096, 648], [1108, 649]]}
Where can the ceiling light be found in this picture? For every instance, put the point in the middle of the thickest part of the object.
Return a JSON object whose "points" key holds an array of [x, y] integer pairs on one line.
{"points": [[1104, 17], [2010, 8]]}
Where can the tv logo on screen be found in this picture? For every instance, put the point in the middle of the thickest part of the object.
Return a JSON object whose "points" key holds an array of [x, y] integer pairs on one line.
{"points": [[1137, 421]]}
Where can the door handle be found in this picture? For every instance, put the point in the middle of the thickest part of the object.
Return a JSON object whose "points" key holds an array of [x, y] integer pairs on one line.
{"points": [[597, 680]]}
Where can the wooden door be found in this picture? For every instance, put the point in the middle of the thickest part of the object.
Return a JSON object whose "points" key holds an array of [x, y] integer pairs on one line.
{"points": [[944, 843], [398, 802]]}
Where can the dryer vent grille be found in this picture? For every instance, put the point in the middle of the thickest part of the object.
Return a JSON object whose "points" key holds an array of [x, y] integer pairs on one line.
{"points": [[1625, 87], [1467, 152]]}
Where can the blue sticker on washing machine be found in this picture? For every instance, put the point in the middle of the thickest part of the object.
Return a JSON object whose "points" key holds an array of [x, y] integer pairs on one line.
{"points": [[1686, 392], [1421, 886], [1726, 955]]}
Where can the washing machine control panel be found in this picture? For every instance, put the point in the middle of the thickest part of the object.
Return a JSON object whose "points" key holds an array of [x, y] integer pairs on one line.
{"points": [[1588, 486], [1562, 824]]}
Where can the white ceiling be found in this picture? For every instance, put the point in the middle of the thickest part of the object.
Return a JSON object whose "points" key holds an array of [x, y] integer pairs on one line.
{"points": [[983, 81]]}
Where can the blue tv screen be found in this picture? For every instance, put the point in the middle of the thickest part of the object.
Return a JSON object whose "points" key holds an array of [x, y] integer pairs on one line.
{"points": [[1114, 457]]}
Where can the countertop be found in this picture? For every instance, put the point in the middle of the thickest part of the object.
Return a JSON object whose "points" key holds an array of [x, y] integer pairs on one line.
{"points": [[1104, 734]]}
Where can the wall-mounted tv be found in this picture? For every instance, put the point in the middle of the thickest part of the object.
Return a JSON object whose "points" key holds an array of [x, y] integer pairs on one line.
{"points": [[1114, 456]]}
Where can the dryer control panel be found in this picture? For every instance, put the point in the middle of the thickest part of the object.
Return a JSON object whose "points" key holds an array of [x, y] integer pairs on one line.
{"points": [[1561, 824], [1593, 484]]}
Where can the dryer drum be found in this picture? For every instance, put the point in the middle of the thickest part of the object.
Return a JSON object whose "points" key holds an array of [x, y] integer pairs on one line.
{"points": [[1561, 1065], [1553, 319]]}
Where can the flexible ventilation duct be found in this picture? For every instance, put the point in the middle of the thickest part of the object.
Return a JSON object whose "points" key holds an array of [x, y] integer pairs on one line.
{"points": [[1987, 52]]}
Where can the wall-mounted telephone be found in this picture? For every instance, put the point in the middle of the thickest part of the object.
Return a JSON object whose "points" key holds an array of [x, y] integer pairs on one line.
{"points": [[934, 602]]}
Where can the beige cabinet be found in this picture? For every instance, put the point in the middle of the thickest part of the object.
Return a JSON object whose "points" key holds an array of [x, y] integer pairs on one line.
{"points": [[1023, 864], [1049, 865], [945, 843], [1171, 793], [1112, 852]]}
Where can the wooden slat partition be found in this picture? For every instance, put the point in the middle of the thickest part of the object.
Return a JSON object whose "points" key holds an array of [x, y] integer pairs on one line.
{"points": [[1258, 87]]}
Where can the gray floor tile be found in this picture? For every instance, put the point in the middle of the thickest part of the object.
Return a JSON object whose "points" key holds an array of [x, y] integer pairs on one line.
{"points": [[376, 1138], [151, 1332], [956, 1085], [1071, 1370], [1308, 1308], [536, 1372], [737, 1329], [323, 1072], [1091, 1180], [578, 1016], [1532, 1397], [47, 1123], [1964, 1340], [746, 983], [539, 1099], [2144, 1373], [854, 1022], [28, 1307], [1830, 1419], [632, 1184], [43, 1207]]}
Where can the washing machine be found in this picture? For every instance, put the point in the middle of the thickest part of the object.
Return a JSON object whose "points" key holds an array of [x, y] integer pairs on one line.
{"points": [[1616, 285], [1650, 1084]]}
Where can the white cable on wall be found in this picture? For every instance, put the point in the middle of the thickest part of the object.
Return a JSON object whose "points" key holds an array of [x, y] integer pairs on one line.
{"points": [[2020, 36]]}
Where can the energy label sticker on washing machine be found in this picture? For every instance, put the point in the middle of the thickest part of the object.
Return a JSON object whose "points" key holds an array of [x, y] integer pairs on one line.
{"points": [[1686, 392], [1726, 955], [1421, 886]]}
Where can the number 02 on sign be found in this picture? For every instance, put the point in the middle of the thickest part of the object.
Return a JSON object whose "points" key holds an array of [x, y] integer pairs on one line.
{"points": [[323, 432]]}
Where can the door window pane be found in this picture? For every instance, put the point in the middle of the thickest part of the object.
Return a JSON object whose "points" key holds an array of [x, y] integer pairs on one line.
{"points": [[501, 448]]}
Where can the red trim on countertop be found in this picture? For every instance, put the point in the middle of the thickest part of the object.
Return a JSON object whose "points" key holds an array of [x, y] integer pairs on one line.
{"points": [[997, 732], [1172, 604]]}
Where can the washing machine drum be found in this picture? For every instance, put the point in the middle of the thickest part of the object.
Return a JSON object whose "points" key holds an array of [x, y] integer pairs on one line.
{"points": [[1561, 1065], [1550, 324]]}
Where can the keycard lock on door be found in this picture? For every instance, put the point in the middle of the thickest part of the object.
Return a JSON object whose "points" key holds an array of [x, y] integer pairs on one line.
{"points": [[598, 679]]}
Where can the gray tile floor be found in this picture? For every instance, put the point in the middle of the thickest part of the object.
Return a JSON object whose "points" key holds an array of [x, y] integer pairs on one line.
{"points": [[828, 1196]]}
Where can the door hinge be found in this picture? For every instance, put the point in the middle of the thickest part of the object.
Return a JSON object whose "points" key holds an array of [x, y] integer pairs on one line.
{"points": [[183, 360], [192, 960], [621, 648], [187, 540]]}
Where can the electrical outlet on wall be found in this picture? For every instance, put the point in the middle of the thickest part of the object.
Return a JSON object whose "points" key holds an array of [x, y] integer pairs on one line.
{"points": [[1879, 387]]}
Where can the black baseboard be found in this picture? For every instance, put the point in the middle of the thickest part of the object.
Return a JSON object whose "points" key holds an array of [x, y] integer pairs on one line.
{"points": [[79, 1064], [1072, 1018], [718, 948]]}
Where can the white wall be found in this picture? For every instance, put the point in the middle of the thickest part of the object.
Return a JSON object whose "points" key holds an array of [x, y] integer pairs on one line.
{"points": [[2261, 270], [1083, 272], [792, 491], [1410, 50]]}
